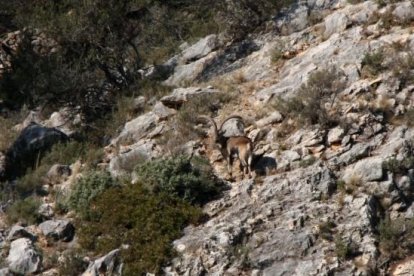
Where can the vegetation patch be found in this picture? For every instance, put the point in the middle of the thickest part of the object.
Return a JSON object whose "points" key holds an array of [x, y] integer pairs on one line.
{"points": [[139, 222], [396, 237], [312, 101], [191, 180], [86, 189], [24, 211]]}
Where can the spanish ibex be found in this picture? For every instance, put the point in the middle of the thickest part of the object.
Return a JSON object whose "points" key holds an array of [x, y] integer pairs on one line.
{"points": [[241, 146]]}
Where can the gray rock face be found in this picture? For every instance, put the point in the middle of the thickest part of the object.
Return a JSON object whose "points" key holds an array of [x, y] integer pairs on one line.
{"points": [[274, 223], [294, 21], [57, 173], [17, 232], [181, 95], [274, 117], [199, 50], [46, 210], [58, 229], [137, 128], [369, 169], [126, 161], [23, 258], [109, 265], [25, 149], [335, 23], [404, 11]]}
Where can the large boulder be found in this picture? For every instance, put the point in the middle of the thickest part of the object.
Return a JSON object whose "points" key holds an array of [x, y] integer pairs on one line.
{"points": [[23, 258], [107, 265], [32, 141], [58, 229]]}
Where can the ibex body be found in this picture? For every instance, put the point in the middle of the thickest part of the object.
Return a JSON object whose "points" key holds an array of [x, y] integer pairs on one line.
{"points": [[239, 146]]}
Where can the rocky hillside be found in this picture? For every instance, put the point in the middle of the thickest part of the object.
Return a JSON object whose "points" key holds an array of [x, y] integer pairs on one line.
{"points": [[325, 92]]}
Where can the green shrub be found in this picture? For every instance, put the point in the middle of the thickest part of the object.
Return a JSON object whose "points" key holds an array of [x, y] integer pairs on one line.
{"points": [[88, 188], [396, 237], [147, 223], [309, 105], [24, 211], [325, 229], [192, 180], [32, 181], [398, 166], [344, 250], [73, 264], [372, 63]]}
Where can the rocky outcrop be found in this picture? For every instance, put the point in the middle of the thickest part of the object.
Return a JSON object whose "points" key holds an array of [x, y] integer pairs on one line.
{"points": [[58, 230], [109, 264], [23, 258]]}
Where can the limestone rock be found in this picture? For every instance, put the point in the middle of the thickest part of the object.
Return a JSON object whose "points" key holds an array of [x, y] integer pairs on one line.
{"points": [[368, 169], [335, 135], [274, 117], [23, 258], [404, 11], [335, 23], [58, 173], [404, 267], [181, 95], [200, 49], [109, 264], [58, 229], [46, 210]]}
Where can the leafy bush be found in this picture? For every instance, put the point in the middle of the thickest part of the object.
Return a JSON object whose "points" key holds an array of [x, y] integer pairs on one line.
{"points": [[142, 224], [396, 237], [398, 166], [24, 211], [87, 188], [309, 105], [73, 264], [344, 250], [372, 63], [192, 181]]}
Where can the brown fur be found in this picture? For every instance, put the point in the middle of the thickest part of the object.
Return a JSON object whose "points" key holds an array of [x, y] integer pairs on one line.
{"points": [[240, 146]]}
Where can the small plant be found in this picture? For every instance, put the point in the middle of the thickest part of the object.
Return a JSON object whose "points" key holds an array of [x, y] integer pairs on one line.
{"points": [[313, 100], [8, 134], [396, 237], [87, 188], [326, 229], [344, 250], [191, 180], [307, 162], [400, 167], [72, 264], [24, 211], [372, 63]]}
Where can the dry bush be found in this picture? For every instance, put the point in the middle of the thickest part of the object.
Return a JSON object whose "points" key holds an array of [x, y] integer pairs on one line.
{"points": [[313, 100], [7, 134]]}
